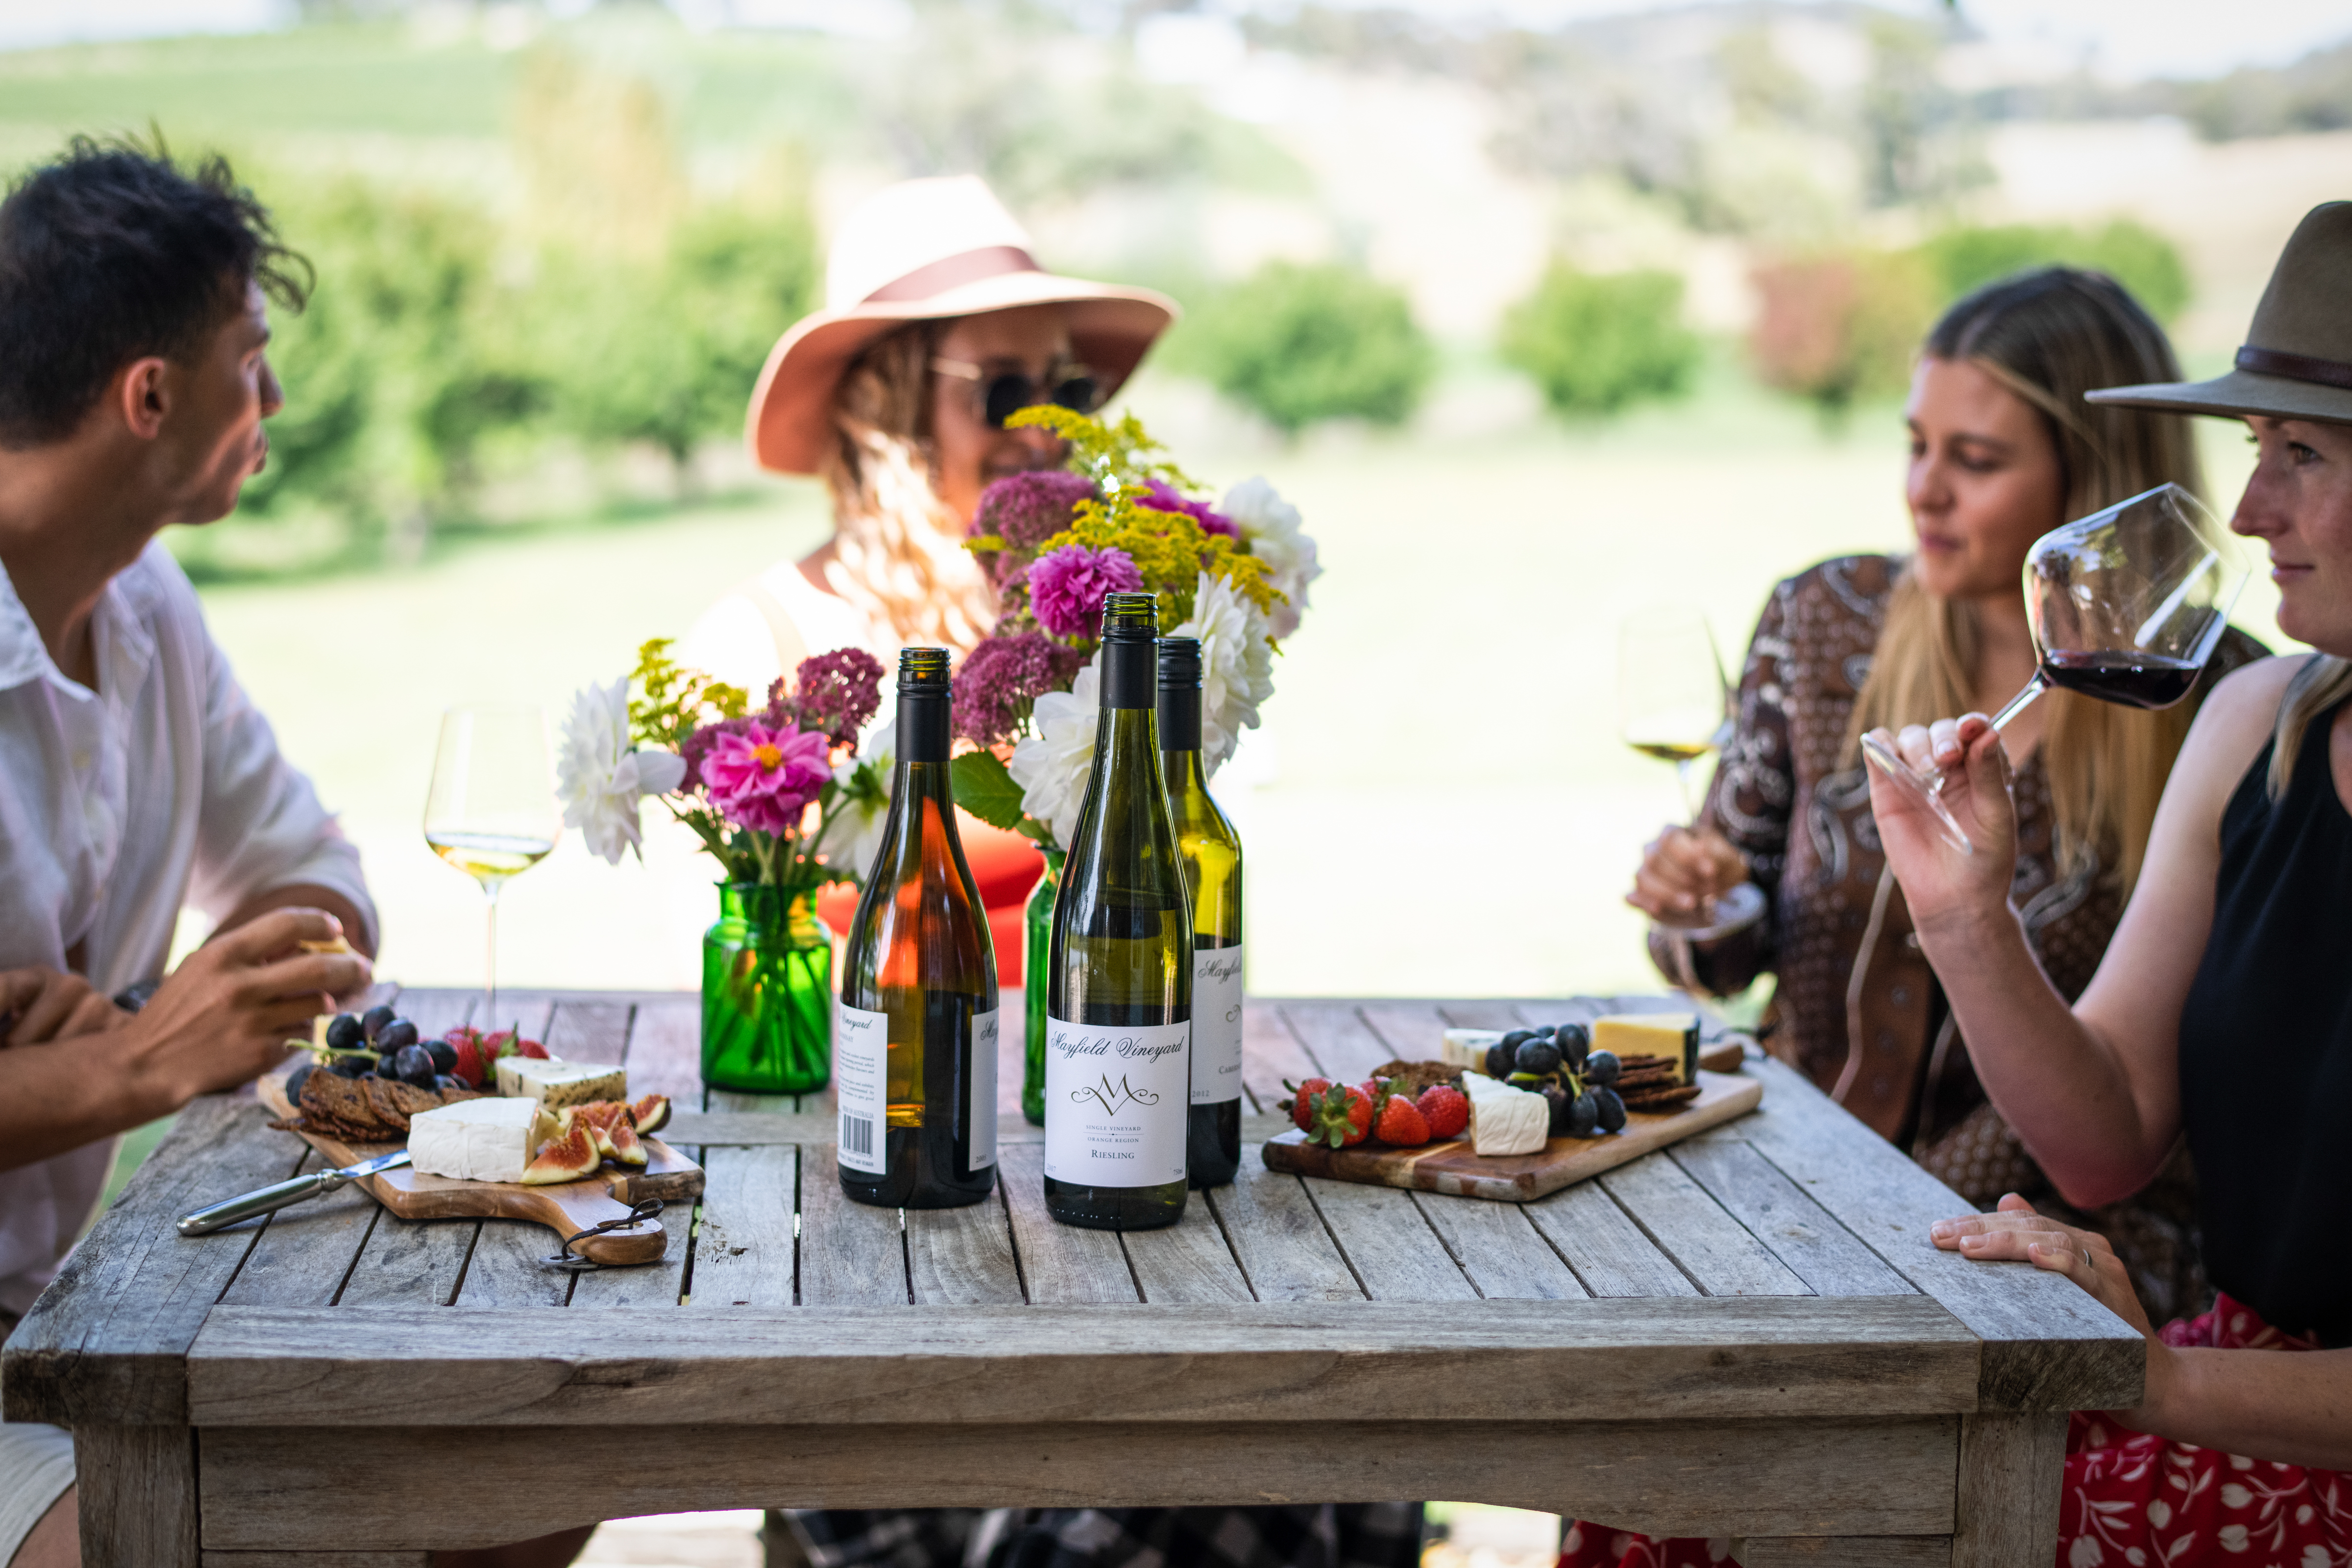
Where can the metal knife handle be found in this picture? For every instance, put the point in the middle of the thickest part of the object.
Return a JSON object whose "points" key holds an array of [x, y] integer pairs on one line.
{"points": [[207, 1220]]}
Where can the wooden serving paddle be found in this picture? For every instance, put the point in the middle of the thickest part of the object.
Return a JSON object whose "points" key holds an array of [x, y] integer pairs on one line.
{"points": [[566, 1207]]}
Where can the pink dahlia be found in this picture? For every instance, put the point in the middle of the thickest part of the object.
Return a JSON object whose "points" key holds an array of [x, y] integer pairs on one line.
{"points": [[1161, 496], [765, 778], [1066, 586]]}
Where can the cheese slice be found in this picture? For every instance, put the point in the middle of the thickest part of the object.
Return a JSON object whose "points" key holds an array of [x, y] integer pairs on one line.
{"points": [[554, 1083], [485, 1140], [1468, 1047], [1503, 1119], [1670, 1034]]}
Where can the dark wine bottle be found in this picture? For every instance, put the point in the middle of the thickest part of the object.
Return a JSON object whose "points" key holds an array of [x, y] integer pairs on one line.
{"points": [[1119, 1006], [1212, 854], [914, 1038]]}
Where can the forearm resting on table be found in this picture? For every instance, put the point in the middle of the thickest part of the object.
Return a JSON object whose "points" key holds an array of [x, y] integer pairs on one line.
{"points": [[2054, 1078], [2264, 1405], [60, 1095], [307, 896]]}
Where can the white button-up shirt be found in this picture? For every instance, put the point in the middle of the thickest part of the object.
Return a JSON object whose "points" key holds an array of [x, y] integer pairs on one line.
{"points": [[162, 788]]}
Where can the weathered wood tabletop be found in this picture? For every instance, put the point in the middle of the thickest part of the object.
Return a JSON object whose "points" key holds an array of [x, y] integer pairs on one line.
{"points": [[1748, 1334]]}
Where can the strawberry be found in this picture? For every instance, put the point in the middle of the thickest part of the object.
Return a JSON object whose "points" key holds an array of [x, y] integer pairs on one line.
{"points": [[1401, 1123], [472, 1069], [1446, 1110], [1302, 1108], [1343, 1115], [531, 1049]]}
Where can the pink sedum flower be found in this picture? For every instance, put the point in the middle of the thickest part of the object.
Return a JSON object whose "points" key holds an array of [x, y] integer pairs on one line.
{"points": [[765, 778], [1066, 586]]}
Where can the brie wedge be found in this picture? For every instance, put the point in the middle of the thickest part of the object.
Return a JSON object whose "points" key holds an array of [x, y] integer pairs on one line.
{"points": [[475, 1139], [1503, 1119], [1468, 1047], [556, 1084]]}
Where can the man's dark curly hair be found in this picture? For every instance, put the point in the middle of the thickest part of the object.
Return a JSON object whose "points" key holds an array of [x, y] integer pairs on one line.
{"points": [[114, 252]]}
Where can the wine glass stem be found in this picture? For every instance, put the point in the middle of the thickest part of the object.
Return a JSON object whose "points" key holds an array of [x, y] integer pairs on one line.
{"points": [[490, 953], [1686, 769], [2022, 701]]}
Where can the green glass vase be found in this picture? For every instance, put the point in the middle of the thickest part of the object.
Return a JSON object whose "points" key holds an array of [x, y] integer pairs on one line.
{"points": [[1036, 954], [767, 994]]}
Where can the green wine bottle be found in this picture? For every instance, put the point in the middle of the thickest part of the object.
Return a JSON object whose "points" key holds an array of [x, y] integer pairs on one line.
{"points": [[1211, 852], [1119, 1008], [915, 1032]]}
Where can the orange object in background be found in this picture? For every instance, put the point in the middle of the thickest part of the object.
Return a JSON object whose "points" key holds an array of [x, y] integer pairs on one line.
{"points": [[1007, 865]]}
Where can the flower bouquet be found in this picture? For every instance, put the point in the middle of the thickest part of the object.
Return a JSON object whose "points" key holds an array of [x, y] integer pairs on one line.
{"points": [[1053, 542], [1118, 519], [785, 801]]}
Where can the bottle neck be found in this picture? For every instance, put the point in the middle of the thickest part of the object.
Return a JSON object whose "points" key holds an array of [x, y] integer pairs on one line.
{"points": [[924, 732], [1130, 673], [1179, 718]]}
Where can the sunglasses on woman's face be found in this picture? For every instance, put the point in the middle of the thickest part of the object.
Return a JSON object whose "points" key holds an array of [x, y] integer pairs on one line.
{"points": [[997, 398]]}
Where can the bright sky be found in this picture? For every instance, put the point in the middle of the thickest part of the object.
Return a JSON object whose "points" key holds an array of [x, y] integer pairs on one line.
{"points": [[2123, 39]]}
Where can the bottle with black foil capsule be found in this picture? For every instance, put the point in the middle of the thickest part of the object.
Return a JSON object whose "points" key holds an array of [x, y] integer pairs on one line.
{"points": [[1119, 1008], [914, 1038], [1212, 854]]}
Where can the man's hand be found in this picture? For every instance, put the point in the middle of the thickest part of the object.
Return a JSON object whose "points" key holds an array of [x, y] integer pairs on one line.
{"points": [[38, 1005], [224, 1014]]}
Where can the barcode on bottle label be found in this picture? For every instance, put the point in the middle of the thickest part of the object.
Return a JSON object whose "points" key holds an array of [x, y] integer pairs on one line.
{"points": [[1115, 1100], [981, 1104], [1216, 1024], [861, 1057]]}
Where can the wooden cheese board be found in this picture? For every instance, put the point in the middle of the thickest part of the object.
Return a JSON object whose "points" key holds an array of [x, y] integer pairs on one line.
{"points": [[565, 1207], [1450, 1167]]}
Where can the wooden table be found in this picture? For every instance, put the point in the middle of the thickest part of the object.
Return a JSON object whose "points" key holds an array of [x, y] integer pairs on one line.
{"points": [[1747, 1335]]}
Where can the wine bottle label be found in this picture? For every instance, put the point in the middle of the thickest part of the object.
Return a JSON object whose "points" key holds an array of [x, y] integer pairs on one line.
{"points": [[1115, 1102], [861, 1055], [1216, 1024], [982, 1102]]}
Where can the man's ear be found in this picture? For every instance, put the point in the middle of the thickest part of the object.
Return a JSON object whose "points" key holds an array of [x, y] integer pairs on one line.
{"points": [[140, 396]]}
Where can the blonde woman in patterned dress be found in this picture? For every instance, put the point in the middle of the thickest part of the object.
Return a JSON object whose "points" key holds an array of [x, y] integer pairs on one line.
{"points": [[2003, 448]]}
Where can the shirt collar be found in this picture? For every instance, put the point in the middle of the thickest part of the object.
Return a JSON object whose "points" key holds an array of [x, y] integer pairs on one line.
{"points": [[119, 632]]}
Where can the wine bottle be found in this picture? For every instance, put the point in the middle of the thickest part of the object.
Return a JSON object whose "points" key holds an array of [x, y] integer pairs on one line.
{"points": [[1211, 855], [1119, 1006], [914, 1039]]}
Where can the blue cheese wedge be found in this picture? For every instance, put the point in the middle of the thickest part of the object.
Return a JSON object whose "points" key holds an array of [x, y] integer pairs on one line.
{"points": [[1503, 1119], [1674, 1035], [1468, 1047], [555, 1084], [483, 1140]]}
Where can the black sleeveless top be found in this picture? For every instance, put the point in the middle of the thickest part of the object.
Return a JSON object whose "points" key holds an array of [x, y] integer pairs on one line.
{"points": [[2266, 1051]]}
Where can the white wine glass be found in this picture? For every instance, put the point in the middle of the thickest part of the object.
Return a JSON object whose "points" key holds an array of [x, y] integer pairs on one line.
{"points": [[491, 811], [2125, 606], [1673, 702]]}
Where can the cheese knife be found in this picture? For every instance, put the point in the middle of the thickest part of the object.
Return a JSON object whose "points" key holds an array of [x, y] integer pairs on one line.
{"points": [[318, 1184]]}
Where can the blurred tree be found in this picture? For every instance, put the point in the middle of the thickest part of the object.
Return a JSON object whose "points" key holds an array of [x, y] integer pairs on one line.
{"points": [[1298, 344], [665, 353], [1564, 112], [405, 361], [1841, 326], [1597, 343], [1912, 128], [2131, 253], [600, 160]]}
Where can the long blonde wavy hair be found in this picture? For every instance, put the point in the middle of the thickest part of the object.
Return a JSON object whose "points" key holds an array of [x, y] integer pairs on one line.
{"points": [[898, 553], [2050, 336]]}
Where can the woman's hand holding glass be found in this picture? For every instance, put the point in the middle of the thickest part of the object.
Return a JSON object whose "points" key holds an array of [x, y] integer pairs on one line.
{"points": [[1945, 882], [1684, 871]]}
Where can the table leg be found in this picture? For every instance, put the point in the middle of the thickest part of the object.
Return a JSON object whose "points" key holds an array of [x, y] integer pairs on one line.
{"points": [[2012, 1468], [138, 1487]]}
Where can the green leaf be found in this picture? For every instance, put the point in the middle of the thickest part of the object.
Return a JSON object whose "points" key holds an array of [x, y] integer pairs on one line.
{"points": [[983, 788]]}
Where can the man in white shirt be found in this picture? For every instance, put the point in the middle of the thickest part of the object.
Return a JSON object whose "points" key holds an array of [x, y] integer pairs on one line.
{"points": [[135, 776]]}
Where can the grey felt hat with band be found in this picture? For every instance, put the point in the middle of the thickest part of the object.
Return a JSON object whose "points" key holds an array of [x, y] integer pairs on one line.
{"points": [[2297, 359]]}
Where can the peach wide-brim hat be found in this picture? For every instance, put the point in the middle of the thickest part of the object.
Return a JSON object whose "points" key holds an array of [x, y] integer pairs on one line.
{"points": [[926, 250], [2297, 363]]}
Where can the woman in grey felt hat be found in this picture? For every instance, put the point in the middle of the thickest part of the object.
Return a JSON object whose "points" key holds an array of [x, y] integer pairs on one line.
{"points": [[2221, 1013]]}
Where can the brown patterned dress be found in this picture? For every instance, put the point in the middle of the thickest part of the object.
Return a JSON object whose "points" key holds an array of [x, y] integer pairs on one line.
{"points": [[1856, 1000]]}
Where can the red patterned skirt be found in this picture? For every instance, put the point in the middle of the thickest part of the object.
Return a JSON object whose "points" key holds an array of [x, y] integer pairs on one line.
{"points": [[2132, 1501]]}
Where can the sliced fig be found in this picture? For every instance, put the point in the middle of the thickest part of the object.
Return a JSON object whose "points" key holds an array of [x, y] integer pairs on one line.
{"points": [[623, 1145], [566, 1159], [651, 1114]]}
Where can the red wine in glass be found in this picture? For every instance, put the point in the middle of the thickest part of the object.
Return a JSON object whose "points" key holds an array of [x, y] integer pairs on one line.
{"points": [[2126, 605]]}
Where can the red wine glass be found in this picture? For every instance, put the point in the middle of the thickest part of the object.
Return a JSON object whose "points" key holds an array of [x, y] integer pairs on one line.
{"points": [[2126, 605]]}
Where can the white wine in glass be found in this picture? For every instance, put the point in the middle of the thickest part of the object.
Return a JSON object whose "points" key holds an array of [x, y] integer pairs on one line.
{"points": [[1672, 701], [491, 811]]}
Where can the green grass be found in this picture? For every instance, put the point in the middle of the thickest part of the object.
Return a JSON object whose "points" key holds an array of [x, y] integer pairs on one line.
{"points": [[137, 1144]]}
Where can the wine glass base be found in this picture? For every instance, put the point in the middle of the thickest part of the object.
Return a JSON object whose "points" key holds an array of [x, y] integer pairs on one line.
{"points": [[1927, 789]]}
